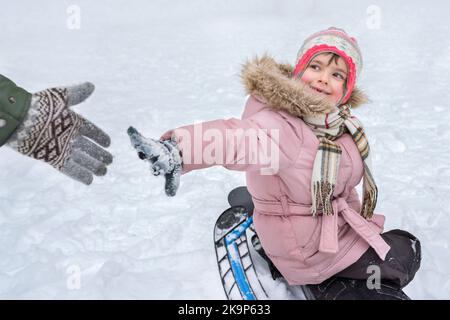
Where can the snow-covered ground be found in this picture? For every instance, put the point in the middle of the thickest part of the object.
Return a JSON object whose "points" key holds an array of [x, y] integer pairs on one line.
{"points": [[161, 64]]}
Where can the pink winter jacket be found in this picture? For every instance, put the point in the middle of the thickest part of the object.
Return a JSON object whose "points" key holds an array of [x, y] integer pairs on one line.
{"points": [[305, 249]]}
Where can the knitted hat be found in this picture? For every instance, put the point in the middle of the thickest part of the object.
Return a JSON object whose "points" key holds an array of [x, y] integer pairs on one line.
{"points": [[337, 41]]}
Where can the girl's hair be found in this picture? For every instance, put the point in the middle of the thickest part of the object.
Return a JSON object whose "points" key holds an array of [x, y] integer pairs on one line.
{"points": [[335, 57]]}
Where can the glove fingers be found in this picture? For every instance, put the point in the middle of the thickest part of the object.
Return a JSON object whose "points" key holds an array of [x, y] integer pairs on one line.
{"points": [[93, 150], [87, 162], [172, 182], [151, 148], [155, 169], [147, 148], [158, 167], [93, 132], [136, 139], [77, 172], [133, 133], [78, 93]]}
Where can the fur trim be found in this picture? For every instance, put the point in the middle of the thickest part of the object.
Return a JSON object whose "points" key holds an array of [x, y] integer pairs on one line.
{"points": [[272, 83]]}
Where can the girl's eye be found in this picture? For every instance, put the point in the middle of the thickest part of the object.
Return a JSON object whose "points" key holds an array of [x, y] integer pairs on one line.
{"points": [[339, 76], [314, 67]]}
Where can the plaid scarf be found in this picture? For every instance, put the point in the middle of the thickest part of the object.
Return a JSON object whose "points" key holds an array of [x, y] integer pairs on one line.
{"points": [[329, 127]]}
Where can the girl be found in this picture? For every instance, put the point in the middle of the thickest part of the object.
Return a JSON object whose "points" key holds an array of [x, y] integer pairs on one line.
{"points": [[306, 155]]}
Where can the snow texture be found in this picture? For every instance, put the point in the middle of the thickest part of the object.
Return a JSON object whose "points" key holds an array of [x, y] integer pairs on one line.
{"points": [[162, 64]]}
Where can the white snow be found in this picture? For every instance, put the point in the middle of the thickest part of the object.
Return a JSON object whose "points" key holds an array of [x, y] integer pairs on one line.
{"points": [[161, 64]]}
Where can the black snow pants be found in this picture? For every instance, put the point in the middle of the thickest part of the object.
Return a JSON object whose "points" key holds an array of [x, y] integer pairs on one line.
{"points": [[356, 281]]}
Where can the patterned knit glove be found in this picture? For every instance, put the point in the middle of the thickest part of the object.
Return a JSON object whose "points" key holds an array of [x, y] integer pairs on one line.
{"points": [[164, 157], [53, 133]]}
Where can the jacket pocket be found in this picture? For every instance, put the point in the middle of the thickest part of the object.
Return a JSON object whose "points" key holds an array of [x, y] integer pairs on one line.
{"points": [[275, 234], [306, 230]]}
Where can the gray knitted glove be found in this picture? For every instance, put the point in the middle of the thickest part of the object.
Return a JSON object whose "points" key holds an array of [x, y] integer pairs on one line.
{"points": [[164, 157], [53, 133]]}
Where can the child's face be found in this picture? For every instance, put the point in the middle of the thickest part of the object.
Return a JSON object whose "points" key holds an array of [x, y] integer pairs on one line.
{"points": [[326, 76]]}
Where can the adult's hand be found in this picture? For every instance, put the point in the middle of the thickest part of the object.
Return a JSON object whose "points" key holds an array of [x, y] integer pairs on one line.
{"points": [[55, 134]]}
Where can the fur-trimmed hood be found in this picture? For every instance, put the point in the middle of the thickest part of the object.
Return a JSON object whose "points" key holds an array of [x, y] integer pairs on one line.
{"points": [[272, 83]]}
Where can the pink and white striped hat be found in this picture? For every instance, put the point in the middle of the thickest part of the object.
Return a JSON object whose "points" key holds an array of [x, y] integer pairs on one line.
{"points": [[337, 41]]}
